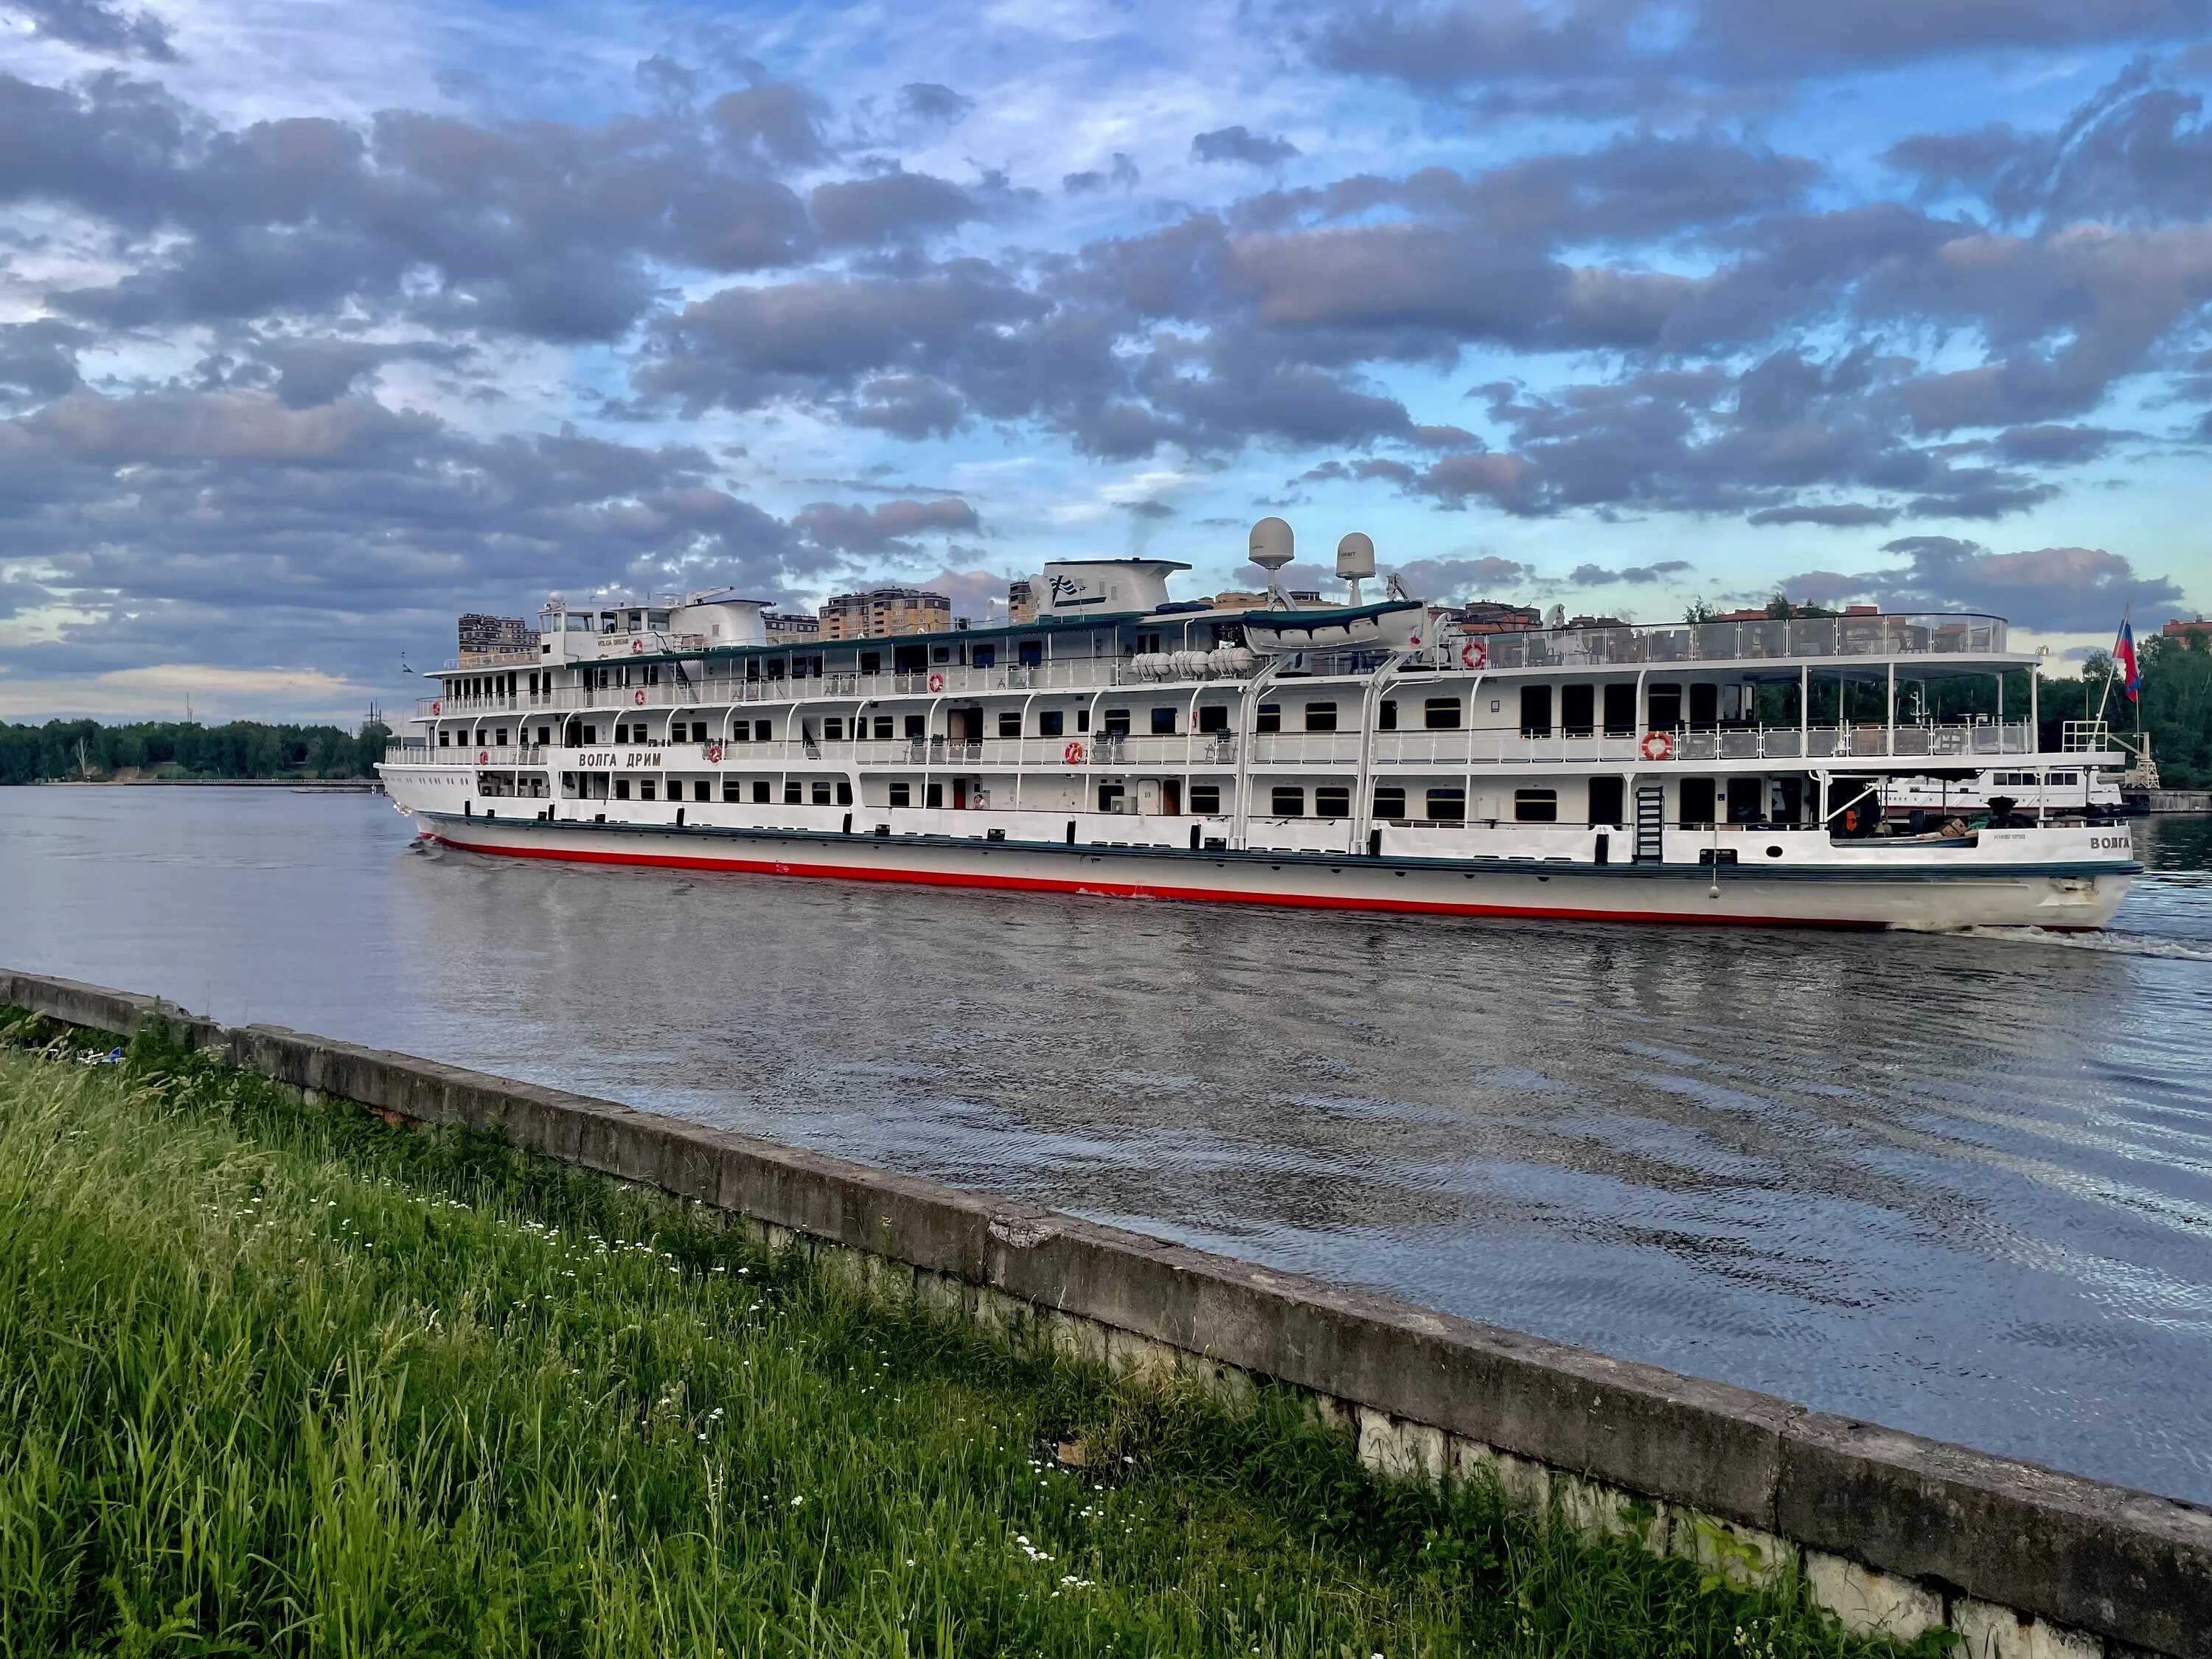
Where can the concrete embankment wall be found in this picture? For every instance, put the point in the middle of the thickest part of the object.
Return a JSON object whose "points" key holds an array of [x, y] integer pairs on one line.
{"points": [[1895, 1533]]}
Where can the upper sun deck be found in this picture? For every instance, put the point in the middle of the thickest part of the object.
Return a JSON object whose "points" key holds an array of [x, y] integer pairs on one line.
{"points": [[1765, 640]]}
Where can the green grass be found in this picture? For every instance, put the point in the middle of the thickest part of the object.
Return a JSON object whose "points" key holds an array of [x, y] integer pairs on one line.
{"points": [[276, 1378]]}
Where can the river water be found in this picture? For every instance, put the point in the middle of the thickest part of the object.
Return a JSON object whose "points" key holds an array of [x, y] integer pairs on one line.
{"points": [[1960, 1185]]}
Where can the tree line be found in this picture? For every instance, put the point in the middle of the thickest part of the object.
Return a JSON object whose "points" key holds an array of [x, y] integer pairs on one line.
{"points": [[238, 749]]}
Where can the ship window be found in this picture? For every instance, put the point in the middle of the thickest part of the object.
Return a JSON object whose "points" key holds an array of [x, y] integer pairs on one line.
{"points": [[1605, 798], [591, 737], [733, 791], [700, 791], [1665, 706], [1206, 800], [1697, 801], [760, 792], [871, 662], [445, 739], [1333, 801], [1704, 707], [622, 788], [1269, 718], [644, 789], [933, 797], [941, 653], [833, 729], [762, 731], [885, 725], [698, 730], [1083, 720], [1148, 645], [1117, 722], [1387, 717], [2065, 778], [1214, 718], [821, 792], [1320, 717], [1390, 801], [1619, 709], [1289, 801], [1447, 805], [1535, 711], [742, 732], [844, 793], [794, 795], [1536, 806], [1163, 721], [917, 727], [503, 737], [1010, 722], [1110, 796], [983, 656], [1031, 651], [1050, 722], [901, 794], [1578, 710], [656, 619], [1441, 714]]}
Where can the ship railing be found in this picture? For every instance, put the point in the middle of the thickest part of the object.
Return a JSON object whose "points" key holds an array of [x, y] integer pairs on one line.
{"points": [[467, 755], [1769, 638], [1479, 747], [2086, 737]]}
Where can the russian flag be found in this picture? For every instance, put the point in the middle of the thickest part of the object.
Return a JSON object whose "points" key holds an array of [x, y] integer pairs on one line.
{"points": [[2123, 653]]}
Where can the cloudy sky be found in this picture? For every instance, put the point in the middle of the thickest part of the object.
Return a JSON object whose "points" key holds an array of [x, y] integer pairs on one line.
{"points": [[320, 323]]}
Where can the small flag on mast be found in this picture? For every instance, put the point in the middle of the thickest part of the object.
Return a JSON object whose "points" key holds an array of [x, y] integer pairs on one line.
{"points": [[2124, 654]]}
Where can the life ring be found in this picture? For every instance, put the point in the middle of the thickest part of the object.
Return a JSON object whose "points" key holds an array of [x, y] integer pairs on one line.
{"points": [[937, 682], [483, 757], [637, 647], [1073, 754], [1475, 653], [437, 707], [1658, 746], [638, 696], [1850, 820], [713, 754]]}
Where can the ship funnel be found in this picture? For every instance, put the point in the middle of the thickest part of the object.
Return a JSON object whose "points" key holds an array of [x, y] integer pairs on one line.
{"points": [[1355, 560]]}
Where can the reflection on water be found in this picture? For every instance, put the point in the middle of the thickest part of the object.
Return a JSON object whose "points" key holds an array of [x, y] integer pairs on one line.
{"points": [[1962, 1185]]}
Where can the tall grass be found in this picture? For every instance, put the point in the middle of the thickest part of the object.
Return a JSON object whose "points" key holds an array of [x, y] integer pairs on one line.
{"points": [[280, 1379]]}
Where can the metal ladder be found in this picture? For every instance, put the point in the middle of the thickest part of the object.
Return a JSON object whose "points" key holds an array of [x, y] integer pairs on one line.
{"points": [[1650, 822]]}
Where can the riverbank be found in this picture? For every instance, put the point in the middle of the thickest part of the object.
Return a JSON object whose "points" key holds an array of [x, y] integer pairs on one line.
{"points": [[276, 1377]]}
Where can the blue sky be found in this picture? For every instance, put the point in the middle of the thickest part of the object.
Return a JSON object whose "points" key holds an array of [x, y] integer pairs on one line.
{"points": [[319, 323]]}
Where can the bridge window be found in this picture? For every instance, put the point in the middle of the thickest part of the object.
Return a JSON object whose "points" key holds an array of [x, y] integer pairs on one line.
{"points": [[1390, 801], [1320, 717], [1289, 801], [1333, 801], [1206, 800], [1535, 806], [1447, 805]]}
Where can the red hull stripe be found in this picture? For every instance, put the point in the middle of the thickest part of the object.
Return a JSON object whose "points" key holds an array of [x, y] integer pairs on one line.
{"points": [[1125, 890]]}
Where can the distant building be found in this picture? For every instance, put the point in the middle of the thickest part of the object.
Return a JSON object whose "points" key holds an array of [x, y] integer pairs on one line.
{"points": [[1021, 602], [1494, 617], [1234, 600], [782, 629], [883, 612], [1601, 622], [485, 637], [2179, 629]]}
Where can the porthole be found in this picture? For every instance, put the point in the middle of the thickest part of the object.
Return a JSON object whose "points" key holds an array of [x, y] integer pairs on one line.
{"points": [[1774, 852]]}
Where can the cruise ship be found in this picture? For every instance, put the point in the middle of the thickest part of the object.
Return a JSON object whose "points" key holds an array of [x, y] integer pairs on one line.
{"points": [[1377, 756]]}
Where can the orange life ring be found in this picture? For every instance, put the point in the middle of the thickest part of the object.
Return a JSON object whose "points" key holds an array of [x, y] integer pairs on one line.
{"points": [[637, 647], [1073, 754], [713, 754], [1475, 653], [483, 757], [1658, 745], [437, 707], [638, 697], [937, 682]]}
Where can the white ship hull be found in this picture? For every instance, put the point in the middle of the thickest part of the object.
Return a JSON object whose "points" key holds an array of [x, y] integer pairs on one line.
{"points": [[2045, 890]]}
